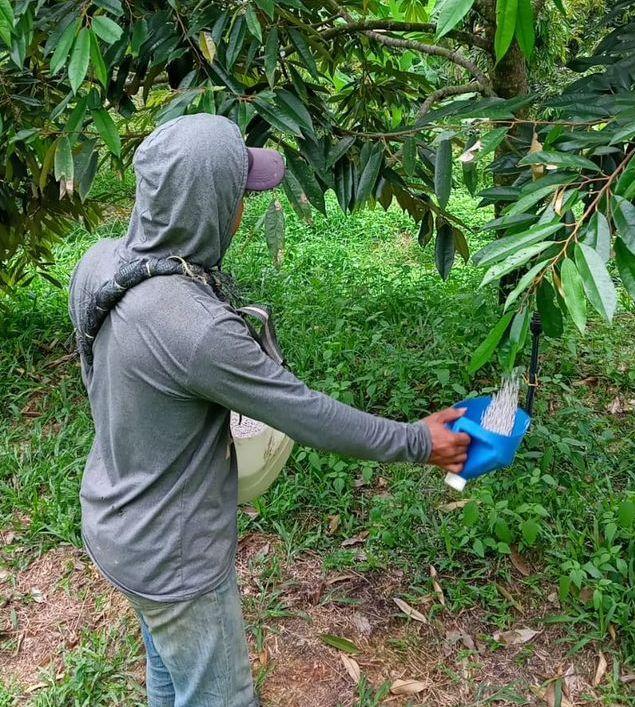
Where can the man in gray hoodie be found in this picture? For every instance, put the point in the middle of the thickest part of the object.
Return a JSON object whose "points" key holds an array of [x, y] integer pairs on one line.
{"points": [[168, 361]]}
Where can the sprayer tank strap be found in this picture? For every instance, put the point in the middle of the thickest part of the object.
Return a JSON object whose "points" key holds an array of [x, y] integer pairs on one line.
{"points": [[267, 336]]}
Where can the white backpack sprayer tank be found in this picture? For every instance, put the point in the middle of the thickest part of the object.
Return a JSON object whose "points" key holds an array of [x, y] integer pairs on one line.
{"points": [[261, 453]]}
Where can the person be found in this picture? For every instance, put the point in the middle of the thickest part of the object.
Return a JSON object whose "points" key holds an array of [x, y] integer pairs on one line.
{"points": [[164, 361]]}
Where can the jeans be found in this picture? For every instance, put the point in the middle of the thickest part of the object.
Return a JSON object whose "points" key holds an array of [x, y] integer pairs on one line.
{"points": [[196, 650]]}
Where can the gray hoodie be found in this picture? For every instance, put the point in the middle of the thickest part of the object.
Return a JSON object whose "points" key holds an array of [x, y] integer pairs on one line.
{"points": [[171, 360]]}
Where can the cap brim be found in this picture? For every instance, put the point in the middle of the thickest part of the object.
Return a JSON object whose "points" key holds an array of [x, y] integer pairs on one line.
{"points": [[266, 169]]}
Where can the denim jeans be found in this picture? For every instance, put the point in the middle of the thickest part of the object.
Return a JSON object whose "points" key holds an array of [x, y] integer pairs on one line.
{"points": [[196, 650]]}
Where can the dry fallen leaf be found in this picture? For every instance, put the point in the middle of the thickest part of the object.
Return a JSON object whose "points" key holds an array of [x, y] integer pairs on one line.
{"points": [[37, 595], [515, 636], [409, 611], [549, 696], [362, 624], [407, 687], [334, 524], [454, 505], [352, 667], [452, 637], [628, 678], [600, 670], [436, 586], [250, 511], [519, 563], [619, 406], [509, 596], [356, 539]]}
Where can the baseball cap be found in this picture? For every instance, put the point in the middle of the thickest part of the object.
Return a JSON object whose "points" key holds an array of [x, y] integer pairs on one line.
{"points": [[266, 169]]}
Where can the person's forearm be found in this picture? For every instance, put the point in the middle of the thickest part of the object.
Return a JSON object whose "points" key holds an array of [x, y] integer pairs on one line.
{"points": [[250, 383]]}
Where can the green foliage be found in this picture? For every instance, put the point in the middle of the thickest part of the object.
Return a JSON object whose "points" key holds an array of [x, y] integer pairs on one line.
{"points": [[357, 97]]}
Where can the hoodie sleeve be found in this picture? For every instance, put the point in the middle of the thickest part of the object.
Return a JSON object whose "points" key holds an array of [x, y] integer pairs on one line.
{"points": [[228, 367]]}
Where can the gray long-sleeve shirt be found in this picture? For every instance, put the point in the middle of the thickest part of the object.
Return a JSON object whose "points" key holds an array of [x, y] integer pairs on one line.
{"points": [[159, 492]]}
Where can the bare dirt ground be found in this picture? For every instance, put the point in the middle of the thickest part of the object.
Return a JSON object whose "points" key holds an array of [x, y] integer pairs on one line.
{"points": [[447, 660]]}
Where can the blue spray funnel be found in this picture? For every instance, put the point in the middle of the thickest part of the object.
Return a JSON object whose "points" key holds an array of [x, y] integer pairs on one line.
{"points": [[488, 451]]}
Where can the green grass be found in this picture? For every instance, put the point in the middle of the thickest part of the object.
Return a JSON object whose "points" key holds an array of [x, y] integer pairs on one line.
{"points": [[362, 315]]}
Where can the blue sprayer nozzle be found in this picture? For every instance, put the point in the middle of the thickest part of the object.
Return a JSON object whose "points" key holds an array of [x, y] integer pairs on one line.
{"points": [[488, 451]]}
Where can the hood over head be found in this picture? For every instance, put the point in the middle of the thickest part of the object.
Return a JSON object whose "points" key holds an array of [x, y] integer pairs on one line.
{"points": [[191, 175]]}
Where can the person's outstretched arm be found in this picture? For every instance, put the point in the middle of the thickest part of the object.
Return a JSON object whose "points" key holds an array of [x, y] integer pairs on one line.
{"points": [[228, 367]]}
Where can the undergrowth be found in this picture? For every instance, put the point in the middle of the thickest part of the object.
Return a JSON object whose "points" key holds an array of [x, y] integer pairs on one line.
{"points": [[362, 316]]}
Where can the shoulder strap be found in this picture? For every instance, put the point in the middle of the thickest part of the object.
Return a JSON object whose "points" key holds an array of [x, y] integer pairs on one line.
{"points": [[267, 336]]}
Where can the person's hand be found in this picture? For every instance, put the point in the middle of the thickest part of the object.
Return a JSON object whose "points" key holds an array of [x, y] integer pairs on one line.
{"points": [[449, 449]]}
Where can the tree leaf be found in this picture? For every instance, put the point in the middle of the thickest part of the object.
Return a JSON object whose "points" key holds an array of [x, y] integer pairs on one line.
{"points": [[369, 173], [297, 198], [106, 29], [520, 257], [573, 293], [506, 14], [460, 244], [277, 118], [80, 56], [86, 161], [7, 20], [625, 261], [596, 280], [624, 218], [295, 109], [444, 248], [112, 6], [267, 6], [598, 235], [253, 23], [139, 36], [550, 313], [274, 231], [304, 174], [63, 160], [527, 201], [409, 155], [108, 130], [97, 60], [491, 140], [450, 13], [300, 44], [524, 283], [486, 349], [470, 176], [342, 644], [443, 172], [47, 163], [426, 228], [271, 56], [525, 31], [235, 44], [63, 47], [338, 150], [560, 159], [504, 247], [208, 46]]}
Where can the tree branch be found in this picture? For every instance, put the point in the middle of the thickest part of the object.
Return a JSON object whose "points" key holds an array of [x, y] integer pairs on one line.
{"points": [[430, 49], [434, 50], [446, 92], [467, 38]]}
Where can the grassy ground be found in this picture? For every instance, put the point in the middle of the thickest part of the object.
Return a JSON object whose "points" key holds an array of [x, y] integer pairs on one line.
{"points": [[362, 316]]}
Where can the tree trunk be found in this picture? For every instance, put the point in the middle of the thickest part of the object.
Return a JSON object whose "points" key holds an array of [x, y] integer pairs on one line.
{"points": [[509, 79]]}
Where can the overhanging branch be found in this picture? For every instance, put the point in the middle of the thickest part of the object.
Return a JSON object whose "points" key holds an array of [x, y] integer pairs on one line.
{"points": [[430, 49], [446, 92], [467, 38]]}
